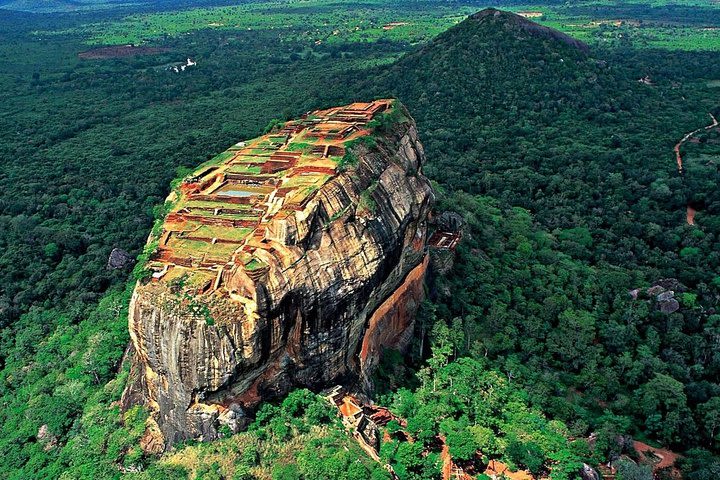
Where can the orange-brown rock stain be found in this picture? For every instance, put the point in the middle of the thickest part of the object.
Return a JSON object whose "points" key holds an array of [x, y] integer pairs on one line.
{"points": [[390, 324]]}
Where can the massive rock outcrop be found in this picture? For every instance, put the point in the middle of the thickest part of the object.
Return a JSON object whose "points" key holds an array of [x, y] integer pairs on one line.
{"points": [[291, 260]]}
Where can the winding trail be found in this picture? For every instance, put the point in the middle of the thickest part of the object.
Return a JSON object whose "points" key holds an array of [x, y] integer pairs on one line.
{"points": [[690, 215]]}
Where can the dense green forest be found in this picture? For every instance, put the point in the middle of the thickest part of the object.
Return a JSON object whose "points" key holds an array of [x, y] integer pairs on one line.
{"points": [[582, 154], [90, 149], [561, 163]]}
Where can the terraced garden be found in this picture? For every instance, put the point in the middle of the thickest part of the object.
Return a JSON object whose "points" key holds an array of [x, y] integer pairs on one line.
{"points": [[222, 210]]}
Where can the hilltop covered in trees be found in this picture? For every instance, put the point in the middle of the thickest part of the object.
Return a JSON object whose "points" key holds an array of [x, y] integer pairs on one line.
{"points": [[561, 162]]}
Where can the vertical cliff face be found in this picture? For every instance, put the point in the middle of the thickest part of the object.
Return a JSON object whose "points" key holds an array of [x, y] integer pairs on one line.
{"points": [[292, 260]]}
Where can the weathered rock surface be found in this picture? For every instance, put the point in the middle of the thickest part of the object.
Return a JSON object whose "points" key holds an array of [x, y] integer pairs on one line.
{"points": [[450, 222], [347, 284], [667, 302], [589, 473], [119, 259], [663, 293]]}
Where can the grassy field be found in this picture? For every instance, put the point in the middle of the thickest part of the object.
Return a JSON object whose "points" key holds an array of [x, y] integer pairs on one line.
{"points": [[312, 20], [655, 24], [62, 6]]}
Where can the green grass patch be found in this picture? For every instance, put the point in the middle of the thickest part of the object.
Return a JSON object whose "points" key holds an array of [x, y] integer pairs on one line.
{"points": [[223, 233], [195, 248], [304, 147], [254, 264], [244, 168], [366, 200]]}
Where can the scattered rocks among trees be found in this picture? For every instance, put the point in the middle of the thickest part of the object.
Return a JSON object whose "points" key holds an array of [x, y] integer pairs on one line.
{"points": [[119, 259]]}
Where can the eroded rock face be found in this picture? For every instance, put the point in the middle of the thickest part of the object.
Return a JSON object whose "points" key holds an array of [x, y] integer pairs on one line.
{"points": [[342, 278]]}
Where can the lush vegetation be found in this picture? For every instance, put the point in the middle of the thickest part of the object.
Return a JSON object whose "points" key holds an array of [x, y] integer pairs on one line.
{"points": [[474, 409], [300, 438], [91, 147], [561, 163], [668, 25], [586, 206]]}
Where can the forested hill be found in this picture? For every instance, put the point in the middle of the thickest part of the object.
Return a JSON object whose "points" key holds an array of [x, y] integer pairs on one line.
{"points": [[521, 26], [525, 115], [573, 200]]}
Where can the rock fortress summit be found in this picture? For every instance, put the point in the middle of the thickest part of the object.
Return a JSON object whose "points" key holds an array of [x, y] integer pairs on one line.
{"points": [[289, 260]]}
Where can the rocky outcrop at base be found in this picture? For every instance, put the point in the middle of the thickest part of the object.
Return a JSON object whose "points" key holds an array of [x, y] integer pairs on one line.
{"points": [[662, 293]]}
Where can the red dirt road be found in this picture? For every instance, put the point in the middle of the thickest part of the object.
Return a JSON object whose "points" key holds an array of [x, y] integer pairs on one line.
{"points": [[667, 458], [688, 136], [690, 213]]}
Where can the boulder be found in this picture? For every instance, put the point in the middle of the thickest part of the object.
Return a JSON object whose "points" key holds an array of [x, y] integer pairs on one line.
{"points": [[120, 260], [450, 222], [589, 473], [667, 303], [655, 290], [669, 306], [663, 291]]}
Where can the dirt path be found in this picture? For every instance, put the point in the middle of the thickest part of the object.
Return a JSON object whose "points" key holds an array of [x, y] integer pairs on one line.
{"points": [[687, 137], [450, 471], [690, 213], [659, 457], [447, 462]]}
